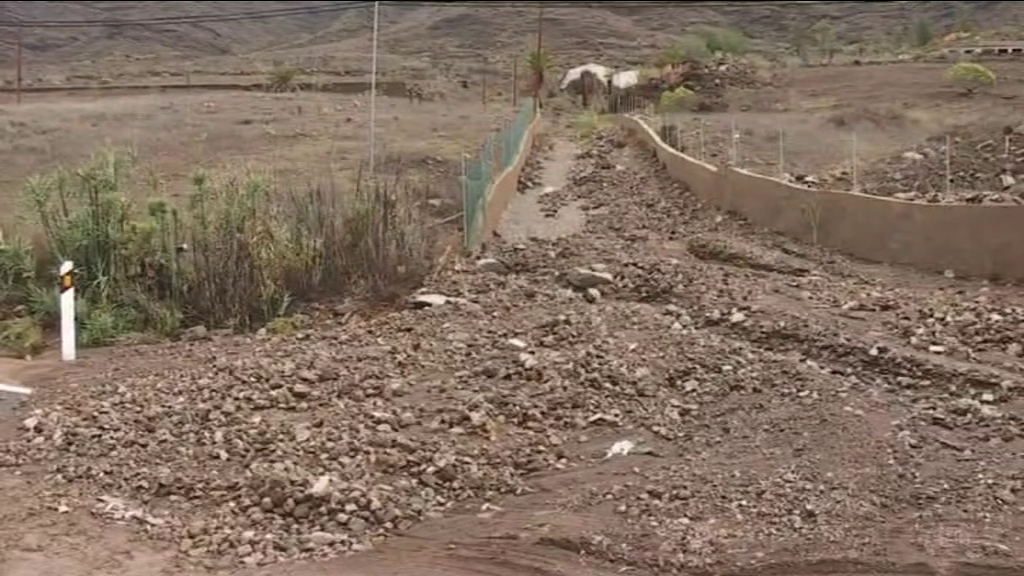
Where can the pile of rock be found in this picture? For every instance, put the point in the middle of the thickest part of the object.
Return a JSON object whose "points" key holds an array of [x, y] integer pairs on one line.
{"points": [[529, 176]]}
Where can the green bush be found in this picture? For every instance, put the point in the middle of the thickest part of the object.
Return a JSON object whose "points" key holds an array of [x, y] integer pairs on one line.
{"points": [[970, 76], [589, 123], [676, 100], [703, 43], [723, 40], [688, 48], [236, 255]]}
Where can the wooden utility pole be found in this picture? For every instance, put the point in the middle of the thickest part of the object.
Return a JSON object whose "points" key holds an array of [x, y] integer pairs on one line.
{"points": [[483, 86], [17, 73]]}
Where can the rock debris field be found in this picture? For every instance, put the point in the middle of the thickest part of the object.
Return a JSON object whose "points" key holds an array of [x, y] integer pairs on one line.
{"points": [[983, 164], [671, 388]]}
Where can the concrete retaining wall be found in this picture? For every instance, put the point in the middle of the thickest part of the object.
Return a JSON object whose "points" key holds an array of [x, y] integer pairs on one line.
{"points": [[972, 240], [506, 185]]}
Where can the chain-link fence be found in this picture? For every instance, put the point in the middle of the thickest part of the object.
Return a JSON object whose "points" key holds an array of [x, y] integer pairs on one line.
{"points": [[479, 173]]}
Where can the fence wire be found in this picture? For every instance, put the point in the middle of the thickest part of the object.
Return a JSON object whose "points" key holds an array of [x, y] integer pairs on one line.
{"points": [[480, 171], [965, 165]]}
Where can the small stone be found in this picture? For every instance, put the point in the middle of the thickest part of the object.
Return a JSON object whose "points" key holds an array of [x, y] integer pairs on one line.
{"points": [[301, 511], [30, 543], [428, 300], [244, 550], [321, 486], [491, 265], [517, 343], [322, 539], [583, 278], [357, 525], [195, 333]]}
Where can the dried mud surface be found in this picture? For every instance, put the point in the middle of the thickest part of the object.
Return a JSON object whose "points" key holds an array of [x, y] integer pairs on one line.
{"points": [[667, 391]]}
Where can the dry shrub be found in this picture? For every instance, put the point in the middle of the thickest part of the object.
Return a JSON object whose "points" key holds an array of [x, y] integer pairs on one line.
{"points": [[876, 117], [283, 79]]}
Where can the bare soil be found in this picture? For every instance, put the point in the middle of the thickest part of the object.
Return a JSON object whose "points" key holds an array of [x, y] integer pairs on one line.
{"points": [[299, 139], [785, 410]]}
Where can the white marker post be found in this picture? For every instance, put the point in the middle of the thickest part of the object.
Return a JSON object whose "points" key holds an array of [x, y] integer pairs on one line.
{"points": [[67, 311], [12, 389]]}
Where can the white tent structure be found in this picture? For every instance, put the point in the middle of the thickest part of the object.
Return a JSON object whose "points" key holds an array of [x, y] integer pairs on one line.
{"points": [[621, 80], [573, 74], [626, 79]]}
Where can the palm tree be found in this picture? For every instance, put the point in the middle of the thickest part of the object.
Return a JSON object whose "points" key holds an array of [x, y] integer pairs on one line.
{"points": [[539, 61]]}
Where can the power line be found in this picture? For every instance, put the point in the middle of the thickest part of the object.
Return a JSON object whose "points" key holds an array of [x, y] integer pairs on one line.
{"points": [[337, 7], [185, 19]]}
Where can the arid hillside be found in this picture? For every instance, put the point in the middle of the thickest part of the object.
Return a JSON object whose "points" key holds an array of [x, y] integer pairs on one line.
{"points": [[468, 30]]}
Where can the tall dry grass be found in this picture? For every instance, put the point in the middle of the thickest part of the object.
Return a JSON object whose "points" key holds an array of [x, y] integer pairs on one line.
{"points": [[241, 252]]}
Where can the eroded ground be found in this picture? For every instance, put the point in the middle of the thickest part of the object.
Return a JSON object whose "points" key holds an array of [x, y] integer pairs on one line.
{"points": [[704, 396]]}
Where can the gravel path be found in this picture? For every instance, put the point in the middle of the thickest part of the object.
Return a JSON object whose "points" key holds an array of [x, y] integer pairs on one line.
{"points": [[526, 216]]}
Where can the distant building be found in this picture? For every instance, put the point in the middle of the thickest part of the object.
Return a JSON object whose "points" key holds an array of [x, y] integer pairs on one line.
{"points": [[988, 49]]}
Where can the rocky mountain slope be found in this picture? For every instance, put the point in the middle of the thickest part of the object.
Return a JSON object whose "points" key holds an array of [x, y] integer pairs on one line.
{"points": [[468, 29]]}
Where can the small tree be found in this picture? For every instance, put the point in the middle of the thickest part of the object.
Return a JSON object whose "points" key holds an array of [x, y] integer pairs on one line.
{"points": [[825, 39], [970, 76], [539, 61], [923, 34], [800, 41]]}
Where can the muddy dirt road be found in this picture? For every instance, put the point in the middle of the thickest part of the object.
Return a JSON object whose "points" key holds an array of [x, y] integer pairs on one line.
{"points": [[665, 391]]}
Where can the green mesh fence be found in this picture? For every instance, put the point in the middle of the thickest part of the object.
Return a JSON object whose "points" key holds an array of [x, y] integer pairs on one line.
{"points": [[479, 172]]}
